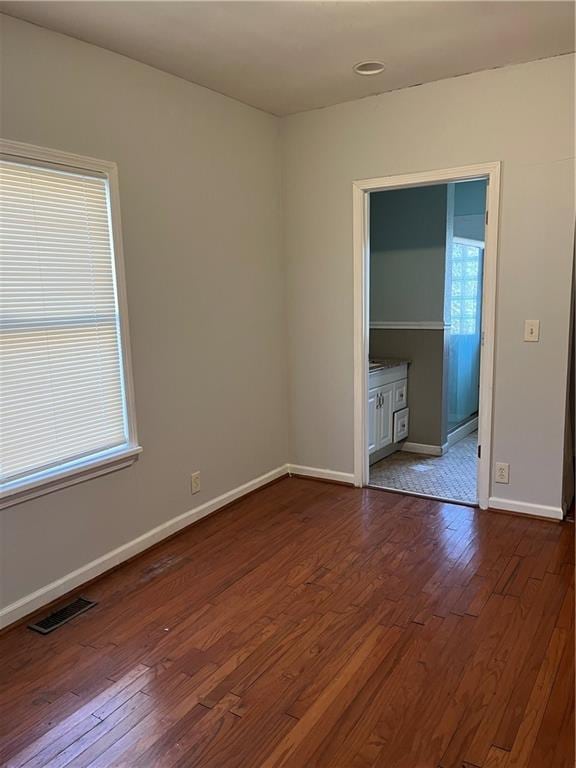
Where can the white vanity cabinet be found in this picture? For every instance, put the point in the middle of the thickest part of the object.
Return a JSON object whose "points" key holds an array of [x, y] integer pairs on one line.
{"points": [[380, 419], [387, 407]]}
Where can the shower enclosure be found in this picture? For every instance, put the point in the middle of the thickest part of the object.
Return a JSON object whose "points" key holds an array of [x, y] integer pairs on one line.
{"points": [[464, 336]]}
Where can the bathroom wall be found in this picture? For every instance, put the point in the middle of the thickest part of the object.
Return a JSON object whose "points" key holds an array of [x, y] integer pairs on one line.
{"points": [[470, 209], [425, 377], [407, 254], [407, 276]]}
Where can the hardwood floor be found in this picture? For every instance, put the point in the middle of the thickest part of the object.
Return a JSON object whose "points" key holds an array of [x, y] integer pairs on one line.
{"points": [[311, 625]]}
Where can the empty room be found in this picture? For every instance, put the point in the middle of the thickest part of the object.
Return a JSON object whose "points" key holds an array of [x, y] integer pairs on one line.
{"points": [[287, 384]]}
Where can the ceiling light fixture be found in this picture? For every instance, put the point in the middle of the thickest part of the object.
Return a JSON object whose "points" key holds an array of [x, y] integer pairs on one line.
{"points": [[369, 68]]}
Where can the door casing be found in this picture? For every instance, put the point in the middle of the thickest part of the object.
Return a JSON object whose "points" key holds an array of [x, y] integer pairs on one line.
{"points": [[361, 251]]}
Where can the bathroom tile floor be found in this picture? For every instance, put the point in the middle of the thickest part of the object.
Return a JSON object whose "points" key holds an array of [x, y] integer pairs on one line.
{"points": [[452, 476]]}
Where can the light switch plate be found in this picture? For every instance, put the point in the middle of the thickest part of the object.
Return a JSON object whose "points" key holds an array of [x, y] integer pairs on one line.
{"points": [[531, 330], [195, 482]]}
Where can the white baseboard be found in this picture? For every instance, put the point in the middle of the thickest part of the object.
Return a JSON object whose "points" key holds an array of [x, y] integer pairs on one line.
{"points": [[525, 508], [321, 474], [429, 450], [56, 589], [463, 431]]}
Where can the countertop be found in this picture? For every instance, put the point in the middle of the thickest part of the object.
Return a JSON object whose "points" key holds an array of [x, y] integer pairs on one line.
{"points": [[387, 362]]}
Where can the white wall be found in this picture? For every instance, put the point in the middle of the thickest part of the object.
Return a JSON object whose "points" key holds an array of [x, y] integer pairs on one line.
{"points": [[200, 197], [201, 202], [521, 115]]}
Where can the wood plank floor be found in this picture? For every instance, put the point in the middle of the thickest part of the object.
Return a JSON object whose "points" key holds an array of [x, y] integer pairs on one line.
{"points": [[311, 625]]}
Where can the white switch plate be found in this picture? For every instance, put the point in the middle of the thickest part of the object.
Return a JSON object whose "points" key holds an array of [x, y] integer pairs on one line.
{"points": [[195, 482], [502, 472], [531, 330]]}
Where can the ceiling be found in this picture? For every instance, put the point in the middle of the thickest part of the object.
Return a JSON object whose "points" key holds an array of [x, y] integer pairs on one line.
{"points": [[286, 57]]}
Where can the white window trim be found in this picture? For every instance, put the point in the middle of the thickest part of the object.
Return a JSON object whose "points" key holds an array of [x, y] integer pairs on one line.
{"points": [[106, 461]]}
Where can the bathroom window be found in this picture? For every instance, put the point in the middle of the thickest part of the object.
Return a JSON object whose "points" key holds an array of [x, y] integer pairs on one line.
{"points": [[66, 404], [466, 286]]}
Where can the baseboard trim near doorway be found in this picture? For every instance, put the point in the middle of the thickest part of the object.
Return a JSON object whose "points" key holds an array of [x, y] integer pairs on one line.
{"points": [[526, 508], [462, 432], [427, 450], [298, 470], [495, 504]]}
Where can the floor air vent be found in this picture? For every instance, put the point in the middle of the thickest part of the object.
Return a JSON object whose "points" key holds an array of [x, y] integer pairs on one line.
{"points": [[62, 615]]}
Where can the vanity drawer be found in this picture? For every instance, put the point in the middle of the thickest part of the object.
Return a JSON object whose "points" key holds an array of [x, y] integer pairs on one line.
{"points": [[401, 425], [400, 396], [381, 376]]}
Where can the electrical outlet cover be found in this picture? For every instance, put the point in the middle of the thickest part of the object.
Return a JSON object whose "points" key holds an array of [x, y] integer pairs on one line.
{"points": [[502, 474], [531, 330]]}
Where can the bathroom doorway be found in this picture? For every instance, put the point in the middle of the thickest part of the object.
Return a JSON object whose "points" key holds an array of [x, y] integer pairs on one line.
{"points": [[426, 277]]}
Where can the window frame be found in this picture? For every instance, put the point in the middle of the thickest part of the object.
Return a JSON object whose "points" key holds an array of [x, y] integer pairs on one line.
{"points": [[102, 462]]}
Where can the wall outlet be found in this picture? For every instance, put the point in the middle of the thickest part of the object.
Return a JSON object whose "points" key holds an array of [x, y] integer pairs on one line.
{"points": [[502, 472], [195, 482]]}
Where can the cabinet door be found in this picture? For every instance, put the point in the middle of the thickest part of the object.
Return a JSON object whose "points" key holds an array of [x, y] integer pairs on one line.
{"points": [[384, 416], [372, 417]]}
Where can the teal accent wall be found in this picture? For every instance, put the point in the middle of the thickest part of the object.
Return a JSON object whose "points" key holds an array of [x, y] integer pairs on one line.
{"points": [[470, 198], [407, 254], [470, 209]]}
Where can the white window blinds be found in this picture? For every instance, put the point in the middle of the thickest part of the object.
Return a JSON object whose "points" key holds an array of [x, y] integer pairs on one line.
{"points": [[62, 393]]}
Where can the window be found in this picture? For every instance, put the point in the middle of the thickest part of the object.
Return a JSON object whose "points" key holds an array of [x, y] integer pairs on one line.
{"points": [[466, 286], [66, 406]]}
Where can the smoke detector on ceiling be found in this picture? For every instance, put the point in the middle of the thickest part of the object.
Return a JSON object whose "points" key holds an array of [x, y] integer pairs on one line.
{"points": [[371, 67]]}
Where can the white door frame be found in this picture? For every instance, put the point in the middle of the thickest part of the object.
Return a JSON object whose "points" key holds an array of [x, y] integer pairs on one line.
{"points": [[361, 224]]}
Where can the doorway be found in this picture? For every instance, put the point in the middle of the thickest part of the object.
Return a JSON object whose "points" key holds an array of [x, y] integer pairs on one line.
{"points": [[425, 286]]}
